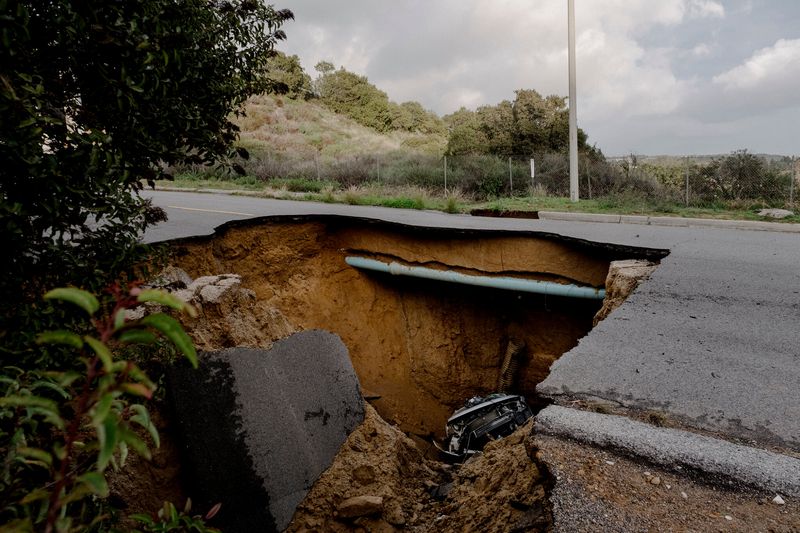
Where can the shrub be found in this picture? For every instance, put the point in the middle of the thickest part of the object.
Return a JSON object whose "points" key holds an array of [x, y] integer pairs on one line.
{"points": [[61, 428]]}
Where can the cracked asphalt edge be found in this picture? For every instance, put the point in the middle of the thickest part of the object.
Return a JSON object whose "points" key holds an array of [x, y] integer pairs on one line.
{"points": [[717, 460]]}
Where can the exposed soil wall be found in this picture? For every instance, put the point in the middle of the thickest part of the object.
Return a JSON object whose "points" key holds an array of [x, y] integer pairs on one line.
{"points": [[424, 347]]}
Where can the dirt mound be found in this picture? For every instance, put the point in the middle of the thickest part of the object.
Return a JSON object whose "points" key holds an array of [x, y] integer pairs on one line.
{"points": [[380, 482]]}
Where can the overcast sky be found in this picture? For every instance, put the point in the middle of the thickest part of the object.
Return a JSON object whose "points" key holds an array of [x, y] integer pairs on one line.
{"points": [[654, 76]]}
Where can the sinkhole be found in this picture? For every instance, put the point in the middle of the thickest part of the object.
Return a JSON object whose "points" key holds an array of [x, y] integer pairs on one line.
{"points": [[419, 346]]}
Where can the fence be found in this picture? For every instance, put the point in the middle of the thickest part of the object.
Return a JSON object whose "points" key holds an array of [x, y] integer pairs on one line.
{"points": [[693, 180]]}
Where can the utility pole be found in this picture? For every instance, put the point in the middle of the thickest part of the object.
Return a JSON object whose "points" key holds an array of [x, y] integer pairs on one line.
{"points": [[573, 108]]}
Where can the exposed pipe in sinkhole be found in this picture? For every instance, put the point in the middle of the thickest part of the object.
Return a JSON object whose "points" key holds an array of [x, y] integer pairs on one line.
{"points": [[512, 284]]}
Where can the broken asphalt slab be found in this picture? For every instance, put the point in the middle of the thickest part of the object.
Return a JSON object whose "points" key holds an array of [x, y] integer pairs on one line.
{"points": [[264, 424], [680, 451]]}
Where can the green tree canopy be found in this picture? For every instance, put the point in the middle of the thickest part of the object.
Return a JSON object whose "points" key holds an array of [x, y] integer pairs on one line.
{"points": [[527, 125], [353, 95], [289, 77], [95, 96], [466, 135]]}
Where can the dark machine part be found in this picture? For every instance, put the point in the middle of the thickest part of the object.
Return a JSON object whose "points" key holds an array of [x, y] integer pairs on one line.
{"points": [[483, 419], [508, 372]]}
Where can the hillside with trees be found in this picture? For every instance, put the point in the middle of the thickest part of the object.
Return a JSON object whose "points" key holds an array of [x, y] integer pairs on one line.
{"points": [[530, 124]]}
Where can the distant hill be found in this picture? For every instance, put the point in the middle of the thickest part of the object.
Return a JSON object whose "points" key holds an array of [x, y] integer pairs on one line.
{"points": [[673, 160]]}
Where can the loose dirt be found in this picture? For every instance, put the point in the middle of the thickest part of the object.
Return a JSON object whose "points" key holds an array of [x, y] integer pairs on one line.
{"points": [[597, 490], [499, 491]]}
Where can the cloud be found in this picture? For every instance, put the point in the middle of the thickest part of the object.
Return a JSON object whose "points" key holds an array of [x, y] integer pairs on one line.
{"points": [[702, 50], [706, 9], [775, 67]]}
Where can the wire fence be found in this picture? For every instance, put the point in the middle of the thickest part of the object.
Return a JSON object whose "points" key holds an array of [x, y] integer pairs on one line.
{"points": [[692, 180]]}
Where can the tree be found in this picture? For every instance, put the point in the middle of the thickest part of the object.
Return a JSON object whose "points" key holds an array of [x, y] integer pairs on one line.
{"points": [[95, 96], [424, 121], [289, 77], [497, 123], [354, 96], [530, 124], [466, 136], [402, 119]]}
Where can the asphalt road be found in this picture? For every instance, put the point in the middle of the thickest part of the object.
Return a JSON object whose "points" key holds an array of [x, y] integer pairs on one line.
{"points": [[711, 339]]}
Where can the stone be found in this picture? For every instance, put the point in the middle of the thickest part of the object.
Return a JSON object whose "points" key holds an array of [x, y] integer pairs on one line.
{"points": [[777, 500], [775, 213], [684, 496], [176, 276], [441, 492], [264, 424], [393, 514], [223, 290], [364, 474], [312, 522], [655, 481], [360, 506]]}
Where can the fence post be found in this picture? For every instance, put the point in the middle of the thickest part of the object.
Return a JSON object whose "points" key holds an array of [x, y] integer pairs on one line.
{"points": [[316, 160], [533, 188], [379, 167], [687, 181], [445, 175], [791, 187]]}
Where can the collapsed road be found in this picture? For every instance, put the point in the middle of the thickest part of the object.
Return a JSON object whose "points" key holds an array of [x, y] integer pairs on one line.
{"points": [[708, 342], [710, 339]]}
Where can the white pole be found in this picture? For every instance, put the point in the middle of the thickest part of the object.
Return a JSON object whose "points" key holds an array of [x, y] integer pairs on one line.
{"points": [[445, 176], [573, 108], [532, 174]]}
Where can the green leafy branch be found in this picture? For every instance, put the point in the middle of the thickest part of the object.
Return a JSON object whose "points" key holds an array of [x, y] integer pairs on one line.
{"points": [[97, 431], [170, 519]]}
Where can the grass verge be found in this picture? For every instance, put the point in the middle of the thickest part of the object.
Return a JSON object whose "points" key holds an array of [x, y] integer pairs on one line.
{"points": [[410, 197]]}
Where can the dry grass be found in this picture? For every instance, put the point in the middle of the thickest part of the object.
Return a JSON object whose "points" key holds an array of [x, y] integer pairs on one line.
{"points": [[327, 195], [353, 195], [540, 191], [280, 124]]}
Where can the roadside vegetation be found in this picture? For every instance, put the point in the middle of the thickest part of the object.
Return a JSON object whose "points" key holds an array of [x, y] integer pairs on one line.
{"points": [[92, 94], [338, 138], [457, 202]]}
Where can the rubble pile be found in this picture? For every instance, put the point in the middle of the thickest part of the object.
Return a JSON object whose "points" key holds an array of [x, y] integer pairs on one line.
{"points": [[380, 482]]}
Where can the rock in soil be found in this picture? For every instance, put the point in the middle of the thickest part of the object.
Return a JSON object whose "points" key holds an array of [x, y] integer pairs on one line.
{"points": [[500, 491]]}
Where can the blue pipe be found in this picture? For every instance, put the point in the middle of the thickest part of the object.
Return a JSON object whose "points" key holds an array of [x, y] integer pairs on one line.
{"points": [[512, 284]]}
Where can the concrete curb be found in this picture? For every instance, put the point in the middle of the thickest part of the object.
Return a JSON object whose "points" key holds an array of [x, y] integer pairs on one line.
{"points": [[675, 449], [752, 225]]}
